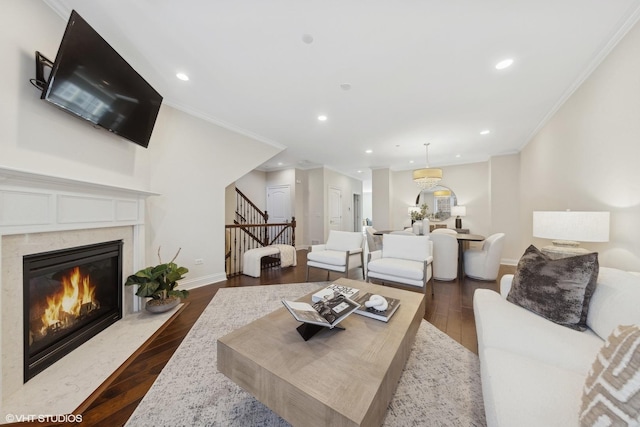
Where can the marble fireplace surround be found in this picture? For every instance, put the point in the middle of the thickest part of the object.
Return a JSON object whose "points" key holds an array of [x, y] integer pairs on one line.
{"points": [[41, 213]]}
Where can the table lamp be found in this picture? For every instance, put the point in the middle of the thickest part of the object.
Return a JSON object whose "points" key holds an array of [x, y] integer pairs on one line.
{"points": [[459, 211], [568, 228]]}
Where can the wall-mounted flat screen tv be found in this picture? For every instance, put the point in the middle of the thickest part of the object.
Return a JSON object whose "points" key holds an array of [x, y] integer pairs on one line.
{"points": [[92, 81]]}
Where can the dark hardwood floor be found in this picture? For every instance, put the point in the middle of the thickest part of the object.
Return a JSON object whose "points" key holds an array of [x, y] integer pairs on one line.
{"points": [[450, 309]]}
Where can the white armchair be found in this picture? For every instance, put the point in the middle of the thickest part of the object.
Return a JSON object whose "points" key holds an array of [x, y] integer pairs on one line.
{"points": [[484, 263], [445, 255], [404, 261], [341, 252]]}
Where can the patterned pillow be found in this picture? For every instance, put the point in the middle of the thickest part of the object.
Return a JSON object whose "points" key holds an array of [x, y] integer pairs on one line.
{"points": [[556, 289], [611, 394]]}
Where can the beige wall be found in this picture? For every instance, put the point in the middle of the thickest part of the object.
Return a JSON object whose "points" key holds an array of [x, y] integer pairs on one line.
{"points": [[253, 185], [348, 187], [315, 207], [504, 196], [586, 157], [382, 198], [302, 212], [469, 182]]}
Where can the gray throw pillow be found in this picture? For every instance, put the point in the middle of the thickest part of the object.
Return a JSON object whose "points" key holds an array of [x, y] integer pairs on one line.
{"points": [[558, 290]]}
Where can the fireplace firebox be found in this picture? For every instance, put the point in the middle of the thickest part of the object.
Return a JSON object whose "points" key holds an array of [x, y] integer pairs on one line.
{"points": [[70, 295]]}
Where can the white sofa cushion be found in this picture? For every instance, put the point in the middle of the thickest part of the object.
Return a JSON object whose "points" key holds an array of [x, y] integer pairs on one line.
{"points": [[414, 248], [413, 270], [344, 240], [525, 392], [615, 301], [328, 257], [501, 324]]}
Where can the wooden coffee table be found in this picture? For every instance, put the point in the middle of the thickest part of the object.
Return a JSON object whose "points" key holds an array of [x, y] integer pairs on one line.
{"points": [[338, 377]]}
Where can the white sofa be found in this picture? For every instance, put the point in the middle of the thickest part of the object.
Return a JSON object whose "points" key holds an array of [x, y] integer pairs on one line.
{"points": [[533, 370]]}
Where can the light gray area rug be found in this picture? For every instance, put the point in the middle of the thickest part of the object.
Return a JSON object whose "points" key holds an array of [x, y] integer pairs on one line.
{"points": [[440, 385]]}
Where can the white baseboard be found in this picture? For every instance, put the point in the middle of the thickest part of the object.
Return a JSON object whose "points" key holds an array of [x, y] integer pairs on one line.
{"points": [[202, 281], [508, 261]]}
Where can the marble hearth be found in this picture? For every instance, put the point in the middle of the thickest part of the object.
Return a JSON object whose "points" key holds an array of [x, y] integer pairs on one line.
{"points": [[43, 213]]}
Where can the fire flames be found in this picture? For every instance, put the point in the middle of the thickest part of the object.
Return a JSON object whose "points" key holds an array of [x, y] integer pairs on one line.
{"points": [[75, 299]]}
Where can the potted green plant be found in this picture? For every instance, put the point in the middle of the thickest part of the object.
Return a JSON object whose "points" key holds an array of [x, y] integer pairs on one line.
{"points": [[159, 283], [421, 214], [417, 217]]}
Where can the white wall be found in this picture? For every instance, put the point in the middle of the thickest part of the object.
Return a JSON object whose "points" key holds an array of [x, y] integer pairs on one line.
{"points": [[586, 157], [187, 162], [253, 185], [38, 137]]}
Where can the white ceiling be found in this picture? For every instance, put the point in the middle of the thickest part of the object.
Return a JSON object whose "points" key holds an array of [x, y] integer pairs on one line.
{"points": [[420, 71]]}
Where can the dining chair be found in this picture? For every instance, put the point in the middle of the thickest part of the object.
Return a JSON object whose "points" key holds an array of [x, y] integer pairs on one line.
{"points": [[445, 255], [445, 231], [484, 263]]}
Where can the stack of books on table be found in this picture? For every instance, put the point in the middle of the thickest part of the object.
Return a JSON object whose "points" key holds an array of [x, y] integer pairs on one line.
{"points": [[336, 289], [384, 315], [327, 312], [333, 290]]}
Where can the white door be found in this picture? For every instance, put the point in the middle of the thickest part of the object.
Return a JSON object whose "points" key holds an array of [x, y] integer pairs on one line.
{"points": [[279, 203], [335, 208]]}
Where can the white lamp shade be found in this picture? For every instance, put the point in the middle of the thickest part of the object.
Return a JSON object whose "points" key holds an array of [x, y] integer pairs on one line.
{"points": [[458, 210], [571, 226]]}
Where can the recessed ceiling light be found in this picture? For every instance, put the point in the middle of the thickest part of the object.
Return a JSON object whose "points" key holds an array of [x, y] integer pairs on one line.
{"points": [[182, 76], [307, 38], [280, 163], [322, 118], [505, 63], [458, 156], [485, 132], [359, 171], [410, 161], [368, 151]]}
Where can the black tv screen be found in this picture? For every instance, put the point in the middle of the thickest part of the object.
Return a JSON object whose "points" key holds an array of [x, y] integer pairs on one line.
{"points": [[91, 80]]}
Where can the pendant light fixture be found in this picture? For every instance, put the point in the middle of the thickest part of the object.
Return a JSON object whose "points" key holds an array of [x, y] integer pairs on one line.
{"points": [[427, 178]]}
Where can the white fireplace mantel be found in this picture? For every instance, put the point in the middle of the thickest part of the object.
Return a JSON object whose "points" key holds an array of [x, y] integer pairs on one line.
{"points": [[32, 202]]}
